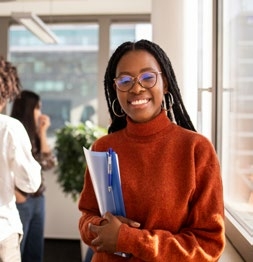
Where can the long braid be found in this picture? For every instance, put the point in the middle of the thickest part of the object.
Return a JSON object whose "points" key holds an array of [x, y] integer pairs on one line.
{"points": [[181, 115], [110, 92]]}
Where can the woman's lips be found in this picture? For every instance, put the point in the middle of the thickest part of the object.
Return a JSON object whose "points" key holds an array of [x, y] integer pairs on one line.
{"points": [[139, 102]]}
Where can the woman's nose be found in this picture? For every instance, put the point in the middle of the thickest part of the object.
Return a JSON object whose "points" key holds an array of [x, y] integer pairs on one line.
{"points": [[137, 87]]}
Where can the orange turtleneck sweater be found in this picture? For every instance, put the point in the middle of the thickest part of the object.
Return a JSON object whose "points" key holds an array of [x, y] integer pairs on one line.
{"points": [[171, 184]]}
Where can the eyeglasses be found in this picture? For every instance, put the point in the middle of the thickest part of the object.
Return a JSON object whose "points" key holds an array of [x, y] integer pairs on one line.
{"points": [[146, 80]]}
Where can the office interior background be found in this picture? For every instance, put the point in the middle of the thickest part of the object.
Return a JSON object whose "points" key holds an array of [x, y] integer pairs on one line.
{"points": [[210, 44]]}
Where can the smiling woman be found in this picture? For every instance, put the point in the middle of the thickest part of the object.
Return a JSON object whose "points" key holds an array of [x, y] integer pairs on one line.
{"points": [[167, 204]]}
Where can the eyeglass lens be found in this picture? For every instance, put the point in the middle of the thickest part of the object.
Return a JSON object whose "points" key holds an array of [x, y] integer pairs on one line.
{"points": [[146, 80]]}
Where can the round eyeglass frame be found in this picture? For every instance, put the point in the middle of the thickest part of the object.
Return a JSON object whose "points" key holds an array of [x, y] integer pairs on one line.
{"points": [[136, 79]]}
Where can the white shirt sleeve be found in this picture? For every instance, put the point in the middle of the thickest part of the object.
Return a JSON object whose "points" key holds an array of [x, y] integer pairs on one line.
{"points": [[26, 170]]}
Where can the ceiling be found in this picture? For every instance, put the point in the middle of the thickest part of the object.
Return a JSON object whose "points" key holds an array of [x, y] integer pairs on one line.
{"points": [[75, 7]]}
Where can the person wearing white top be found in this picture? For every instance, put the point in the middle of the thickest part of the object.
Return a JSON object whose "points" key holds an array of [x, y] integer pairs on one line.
{"points": [[18, 168]]}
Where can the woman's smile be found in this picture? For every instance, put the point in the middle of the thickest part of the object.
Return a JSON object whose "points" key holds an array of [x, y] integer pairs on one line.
{"points": [[139, 102]]}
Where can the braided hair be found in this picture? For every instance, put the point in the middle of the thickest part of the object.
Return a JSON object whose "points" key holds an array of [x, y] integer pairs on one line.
{"points": [[181, 116], [10, 85]]}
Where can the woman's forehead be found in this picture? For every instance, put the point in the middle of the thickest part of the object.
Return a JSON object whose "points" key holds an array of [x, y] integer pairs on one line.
{"points": [[136, 60]]}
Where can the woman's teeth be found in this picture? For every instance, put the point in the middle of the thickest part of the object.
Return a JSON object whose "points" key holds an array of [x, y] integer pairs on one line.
{"points": [[139, 102]]}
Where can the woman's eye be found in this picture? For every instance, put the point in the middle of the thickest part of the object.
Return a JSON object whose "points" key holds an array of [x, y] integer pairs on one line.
{"points": [[125, 80], [147, 77]]}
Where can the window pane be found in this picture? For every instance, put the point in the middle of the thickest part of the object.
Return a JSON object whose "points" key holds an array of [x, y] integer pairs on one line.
{"points": [[237, 112], [65, 75], [123, 32]]}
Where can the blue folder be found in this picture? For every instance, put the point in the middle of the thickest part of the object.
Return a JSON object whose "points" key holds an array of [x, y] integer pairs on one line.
{"points": [[108, 200]]}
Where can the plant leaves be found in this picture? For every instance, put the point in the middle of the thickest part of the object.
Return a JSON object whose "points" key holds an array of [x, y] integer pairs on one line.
{"points": [[69, 152]]}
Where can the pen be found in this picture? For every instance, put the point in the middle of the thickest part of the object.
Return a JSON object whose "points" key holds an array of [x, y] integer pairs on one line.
{"points": [[109, 169]]}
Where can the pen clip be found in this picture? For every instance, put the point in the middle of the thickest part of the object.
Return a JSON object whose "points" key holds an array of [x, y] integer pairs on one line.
{"points": [[109, 169]]}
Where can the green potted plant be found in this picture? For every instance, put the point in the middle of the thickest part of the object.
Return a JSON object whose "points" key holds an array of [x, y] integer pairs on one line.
{"points": [[69, 144]]}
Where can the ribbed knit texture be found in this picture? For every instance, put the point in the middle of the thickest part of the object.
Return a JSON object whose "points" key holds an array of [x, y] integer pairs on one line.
{"points": [[172, 185]]}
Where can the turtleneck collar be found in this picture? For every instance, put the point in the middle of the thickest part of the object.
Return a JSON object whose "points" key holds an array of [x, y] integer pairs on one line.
{"points": [[149, 128]]}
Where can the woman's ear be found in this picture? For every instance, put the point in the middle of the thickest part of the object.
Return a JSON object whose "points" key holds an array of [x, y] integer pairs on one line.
{"points": [[165, 86]]}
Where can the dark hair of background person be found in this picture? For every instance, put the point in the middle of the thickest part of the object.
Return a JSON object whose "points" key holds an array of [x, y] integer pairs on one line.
{"points": [[181, 115], [23, 110], [10, 85]]}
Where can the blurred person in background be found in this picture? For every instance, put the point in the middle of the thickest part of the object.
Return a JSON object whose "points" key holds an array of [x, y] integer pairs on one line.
{"points": [[18, 167], [27, 109]]}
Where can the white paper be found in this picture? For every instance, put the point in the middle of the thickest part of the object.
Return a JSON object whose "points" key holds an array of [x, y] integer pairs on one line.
{"points": [[111, 201]]}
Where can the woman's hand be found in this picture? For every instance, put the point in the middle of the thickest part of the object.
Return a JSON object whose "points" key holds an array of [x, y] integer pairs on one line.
{"points": [[108, 231], [44, 123], [20, 198]]}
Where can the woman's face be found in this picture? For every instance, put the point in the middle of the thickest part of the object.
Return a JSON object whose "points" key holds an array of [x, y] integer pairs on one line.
{"points": [[139, 103], [37, 114]]}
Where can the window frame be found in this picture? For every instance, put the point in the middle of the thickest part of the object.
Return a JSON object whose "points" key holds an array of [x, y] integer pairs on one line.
{"points": [[234, 230]]}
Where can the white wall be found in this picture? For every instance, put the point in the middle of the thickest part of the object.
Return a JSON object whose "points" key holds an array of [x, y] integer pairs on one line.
{"points": [[62, 212], [175, 30]]}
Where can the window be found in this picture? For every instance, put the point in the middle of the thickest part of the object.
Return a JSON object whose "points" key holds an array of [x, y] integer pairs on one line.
{"points": [[236, 149], [122, 32], [65, 75]]}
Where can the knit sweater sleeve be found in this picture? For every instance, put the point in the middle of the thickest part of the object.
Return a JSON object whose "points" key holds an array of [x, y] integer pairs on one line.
{"points": [[201, 238]]}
